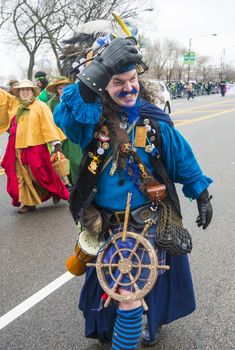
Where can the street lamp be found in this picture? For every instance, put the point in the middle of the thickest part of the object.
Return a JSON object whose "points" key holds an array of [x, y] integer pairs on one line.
{"points": [[222, 63], [189, 50]]}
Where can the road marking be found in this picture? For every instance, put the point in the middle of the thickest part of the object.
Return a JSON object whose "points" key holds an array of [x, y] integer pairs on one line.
{"points": [[191, 109], [196, 120], [34, 299]]}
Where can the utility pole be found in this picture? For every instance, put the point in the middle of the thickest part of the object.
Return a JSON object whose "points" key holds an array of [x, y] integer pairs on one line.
{"points": [[189, 52]]}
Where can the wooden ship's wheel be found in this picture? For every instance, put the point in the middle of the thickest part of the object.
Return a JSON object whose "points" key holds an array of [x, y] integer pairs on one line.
{"points": [[119, 266]]}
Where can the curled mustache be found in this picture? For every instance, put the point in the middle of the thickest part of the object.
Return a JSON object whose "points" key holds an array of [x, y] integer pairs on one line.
{"points": [[125, 93]]}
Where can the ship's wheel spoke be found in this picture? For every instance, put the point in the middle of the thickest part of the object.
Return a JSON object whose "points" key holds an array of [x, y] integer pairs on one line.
{"points": [[108, 265], [118, 250], [134, 249]]}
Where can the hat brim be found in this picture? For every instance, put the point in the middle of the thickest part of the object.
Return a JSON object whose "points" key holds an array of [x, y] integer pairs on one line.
{"points": [[16, 90], [52, 87]]}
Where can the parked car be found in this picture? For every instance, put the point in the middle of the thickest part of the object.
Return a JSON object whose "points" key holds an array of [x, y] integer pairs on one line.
{"points": [[163, 98]]}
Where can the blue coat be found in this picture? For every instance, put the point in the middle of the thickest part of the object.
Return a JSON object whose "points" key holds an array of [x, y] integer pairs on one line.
{"points": [[172, 296]]}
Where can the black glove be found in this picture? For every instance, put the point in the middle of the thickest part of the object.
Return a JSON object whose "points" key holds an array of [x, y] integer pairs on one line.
{"points": [[119, 53], [205, 210]]}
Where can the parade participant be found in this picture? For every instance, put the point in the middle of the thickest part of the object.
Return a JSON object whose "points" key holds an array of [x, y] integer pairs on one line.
{"points": [[70, 149], [190, 91], [106, 114], [12, 83], [31, 178], [42, 82]]}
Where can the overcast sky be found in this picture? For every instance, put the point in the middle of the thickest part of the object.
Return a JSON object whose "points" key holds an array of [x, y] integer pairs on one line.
{"points": [[173, 19], [185, 19]]}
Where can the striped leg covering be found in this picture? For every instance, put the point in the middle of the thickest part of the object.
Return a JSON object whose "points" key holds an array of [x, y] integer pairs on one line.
{"points": [[127, 329]]}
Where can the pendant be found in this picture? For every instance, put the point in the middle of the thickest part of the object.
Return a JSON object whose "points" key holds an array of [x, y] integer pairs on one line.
{"points": [[123, 126], [123, 123]]}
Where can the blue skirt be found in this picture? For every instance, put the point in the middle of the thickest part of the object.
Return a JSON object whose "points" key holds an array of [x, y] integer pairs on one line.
{"points": [[171, 298]]}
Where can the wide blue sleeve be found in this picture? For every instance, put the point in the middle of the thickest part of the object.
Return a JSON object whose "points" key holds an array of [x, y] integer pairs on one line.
{"points": [[181, 163], [75, 117]]}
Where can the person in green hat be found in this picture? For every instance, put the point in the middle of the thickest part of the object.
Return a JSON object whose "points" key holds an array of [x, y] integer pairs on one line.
{"points": [[42, 82], [70, 150]]}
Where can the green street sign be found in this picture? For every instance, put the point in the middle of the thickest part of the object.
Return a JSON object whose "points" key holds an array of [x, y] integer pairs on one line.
{"points": [[189, 58], [192, 56], [186, 57]]}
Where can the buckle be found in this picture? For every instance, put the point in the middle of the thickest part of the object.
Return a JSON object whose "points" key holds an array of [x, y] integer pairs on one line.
{"points": [[119, 216]]}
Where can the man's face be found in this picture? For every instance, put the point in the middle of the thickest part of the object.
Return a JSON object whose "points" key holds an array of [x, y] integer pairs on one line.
{"points": [[124, 88], [26, 93], [39, 83], [60, 89]]}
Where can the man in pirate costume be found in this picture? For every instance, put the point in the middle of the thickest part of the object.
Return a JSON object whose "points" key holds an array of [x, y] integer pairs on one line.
{"points": [[107, 114]]}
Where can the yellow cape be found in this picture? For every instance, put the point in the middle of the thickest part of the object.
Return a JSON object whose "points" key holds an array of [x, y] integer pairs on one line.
{"points": [[35, 128]]}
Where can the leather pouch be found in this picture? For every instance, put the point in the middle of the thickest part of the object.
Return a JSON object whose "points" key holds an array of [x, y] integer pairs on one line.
{"points": [[140, 216], [156, 192]]}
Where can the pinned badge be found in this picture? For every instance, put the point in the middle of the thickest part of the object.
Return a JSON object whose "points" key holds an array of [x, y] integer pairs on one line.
{"points": [[93, 167], [148, 127], [100, 151], [146, 121], [105, 146], [149, 148]]}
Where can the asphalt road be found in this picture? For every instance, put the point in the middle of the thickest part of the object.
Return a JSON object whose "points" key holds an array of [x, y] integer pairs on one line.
{"points": [[34, 248]]}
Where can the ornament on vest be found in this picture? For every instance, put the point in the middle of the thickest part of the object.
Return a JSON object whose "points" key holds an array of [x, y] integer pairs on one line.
{"points": [[92, 167], [140, 136]]}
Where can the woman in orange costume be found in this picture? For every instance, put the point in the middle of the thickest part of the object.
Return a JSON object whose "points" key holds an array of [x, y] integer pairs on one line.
{"points": [[31, 178]]}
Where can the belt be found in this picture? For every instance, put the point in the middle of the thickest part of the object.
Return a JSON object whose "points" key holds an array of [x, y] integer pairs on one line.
{"points": [[138, 217]]}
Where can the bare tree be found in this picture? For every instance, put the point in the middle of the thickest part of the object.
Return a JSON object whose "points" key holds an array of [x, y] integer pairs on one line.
{"points": [[27, 29], [160, 57], [38, 23]]}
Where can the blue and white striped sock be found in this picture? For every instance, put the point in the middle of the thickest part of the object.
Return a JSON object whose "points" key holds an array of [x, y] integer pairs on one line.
{"points": [[127, 329]]}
